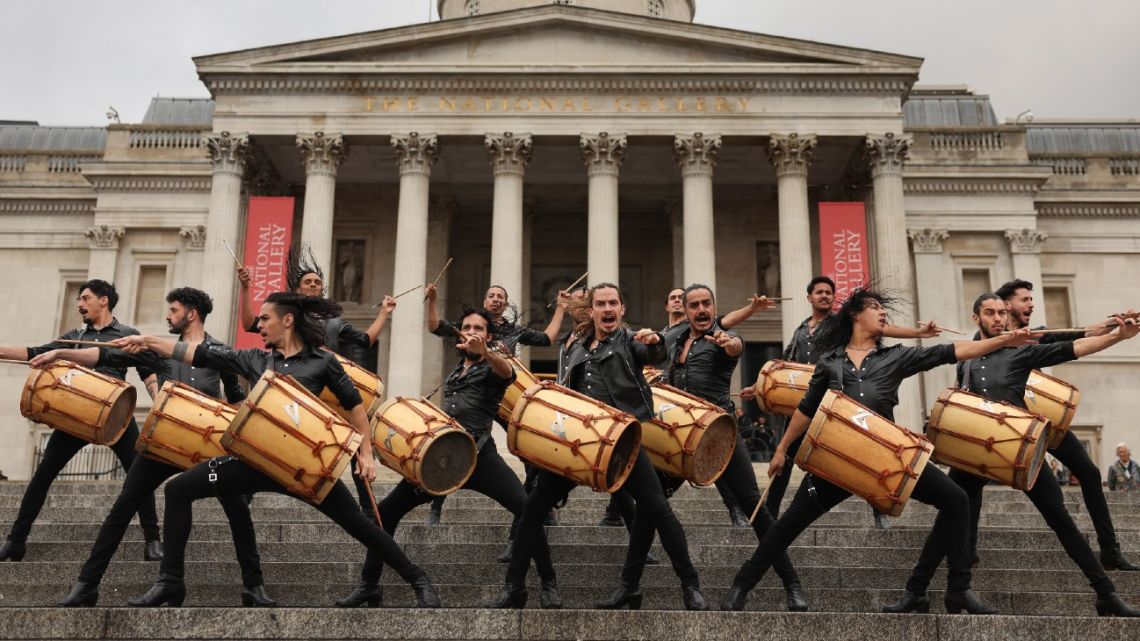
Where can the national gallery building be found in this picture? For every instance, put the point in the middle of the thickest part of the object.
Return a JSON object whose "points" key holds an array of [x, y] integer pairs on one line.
{"points": [[531, 141]]}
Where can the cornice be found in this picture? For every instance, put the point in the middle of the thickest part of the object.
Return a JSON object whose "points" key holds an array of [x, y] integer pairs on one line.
{"points": [[151, 183], [47, 206], [1088, 210], [928, 186]]}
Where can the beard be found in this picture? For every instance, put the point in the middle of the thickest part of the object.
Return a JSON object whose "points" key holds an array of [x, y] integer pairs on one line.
{"points": [[178, 328]]}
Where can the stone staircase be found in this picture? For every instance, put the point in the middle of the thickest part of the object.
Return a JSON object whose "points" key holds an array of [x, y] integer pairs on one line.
{"points": [[849, 571]]}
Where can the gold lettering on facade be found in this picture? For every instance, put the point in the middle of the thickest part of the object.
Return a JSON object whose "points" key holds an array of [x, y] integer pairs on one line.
{"points": [[743, 103], [446, 104], [555, 104], [643, 106], [568, 105], [700, 104], [722, 105], [545, 105]]}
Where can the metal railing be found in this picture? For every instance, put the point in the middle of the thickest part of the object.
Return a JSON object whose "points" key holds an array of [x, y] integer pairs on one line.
{"points": [[92, 463]]}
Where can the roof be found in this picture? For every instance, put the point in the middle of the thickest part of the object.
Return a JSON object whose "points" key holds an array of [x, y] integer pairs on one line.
{"points": [[179, 111], [948, 107], [1080, 139], [34, 138]]}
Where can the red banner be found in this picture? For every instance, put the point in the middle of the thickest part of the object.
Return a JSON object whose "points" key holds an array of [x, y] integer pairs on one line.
{"points": [[268, 234], [844, 254]]}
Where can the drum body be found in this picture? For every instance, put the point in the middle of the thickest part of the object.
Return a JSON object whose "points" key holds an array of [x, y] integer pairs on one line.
{"points": [[1054, 399], [524, 380], [986, 438], [284, 431], [88, 405], [688, 436], [425, 446], [575, 436], [184, 427], [653, 376], [858, 450], [781, 386], [369, 385]]}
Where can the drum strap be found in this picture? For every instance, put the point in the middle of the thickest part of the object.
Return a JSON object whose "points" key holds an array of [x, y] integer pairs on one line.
{"points": [[965, 376], [481, 440], [837, 375]]}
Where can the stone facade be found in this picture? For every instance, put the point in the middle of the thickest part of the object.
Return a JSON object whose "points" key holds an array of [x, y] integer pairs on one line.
{"points": [[694, 153]]}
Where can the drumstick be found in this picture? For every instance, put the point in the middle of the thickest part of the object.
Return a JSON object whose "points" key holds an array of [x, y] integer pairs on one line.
{"points": [[372, 500], [1063, 330], [407, 291], [571, 286], [760, 503], [236, 261], [772, 299], [440, 275], [13, 361], [92, 343], [947, 329]]}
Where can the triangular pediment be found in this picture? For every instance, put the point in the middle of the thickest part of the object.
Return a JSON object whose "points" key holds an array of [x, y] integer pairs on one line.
{"points": [[553, 35]]}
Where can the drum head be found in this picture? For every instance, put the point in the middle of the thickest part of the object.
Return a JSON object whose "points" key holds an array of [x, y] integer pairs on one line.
{"points": [[119, 416], [448, 462], [714, 450], [622, 458]]}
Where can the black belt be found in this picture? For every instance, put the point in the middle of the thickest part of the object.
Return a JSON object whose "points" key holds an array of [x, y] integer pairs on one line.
{"points": [[214, 464]]}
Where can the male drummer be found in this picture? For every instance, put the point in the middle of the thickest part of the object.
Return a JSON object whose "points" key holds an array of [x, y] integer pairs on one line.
{"points": [[855, 362], [701, 362], [471, 395], [97, 299], [606, 364], [185, 316], [1002, 376], [1018, 297]]}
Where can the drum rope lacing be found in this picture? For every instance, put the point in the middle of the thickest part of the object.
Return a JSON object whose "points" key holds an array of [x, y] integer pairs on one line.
{"points": [[988, 442], [47, 408], [148, 443], [695, 407], [772, 383]]}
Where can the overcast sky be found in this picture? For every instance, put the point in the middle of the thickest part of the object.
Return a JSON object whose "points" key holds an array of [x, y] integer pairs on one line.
{"points": [[63, 62]]}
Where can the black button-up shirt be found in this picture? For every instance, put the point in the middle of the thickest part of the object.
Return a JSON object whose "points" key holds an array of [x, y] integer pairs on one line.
{"points": [[803, 347], [589, 378], [205, 380], [1002, 375], [473, 397], [707, 370], [313, 368], [509, 334], [875, 383], [1058, 338], [110, 332]]}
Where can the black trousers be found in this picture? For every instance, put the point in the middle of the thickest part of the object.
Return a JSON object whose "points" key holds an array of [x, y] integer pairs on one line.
{"points": [[61, 448], [1047, 497], [528, 485], [652, 513], [738, 480], [778, 485], [816, 496], [143, 478], [1072, 455], [492, 478], [235, 478], [625, 506]]}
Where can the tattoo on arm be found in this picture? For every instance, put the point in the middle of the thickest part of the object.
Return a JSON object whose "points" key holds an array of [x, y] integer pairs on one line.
{"points": [[179, 352]]}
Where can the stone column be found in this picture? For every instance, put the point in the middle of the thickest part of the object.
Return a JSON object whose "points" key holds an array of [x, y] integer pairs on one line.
{"points": [[509, 155], [603, 155], [932, 272], [676, 221], [697, 155], [416, 155], [195, 238], [104, 255], [791, 156], [893, 272], [228, 155], [1025, 247], [322, 156]]}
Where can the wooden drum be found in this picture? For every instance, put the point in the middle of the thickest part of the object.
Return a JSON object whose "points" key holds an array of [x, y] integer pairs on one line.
{"points": [[524, 380], [88, 405], [574, 435], [688, 436], [988, 438], [1054, 399], [781, 386], [285, 432], [427, 447], [858, 450], [370, 386], [184, 427]]}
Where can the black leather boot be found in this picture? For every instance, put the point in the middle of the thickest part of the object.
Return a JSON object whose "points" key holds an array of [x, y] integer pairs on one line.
{"points": [[651, 558], [1113, 559], [967, 600], [13, 551], [881, 522], [82, 595], [739, 518], [624, 596], [909, 602], [551, 518], [165, 591], [735, 599], [511, 598], [433, 517], [549, 598], [152, 551], [1113, 606], [257, 597], [693, 599], [797, 601], [611, 519], [507, 554], [369, 593], [426, 596]]}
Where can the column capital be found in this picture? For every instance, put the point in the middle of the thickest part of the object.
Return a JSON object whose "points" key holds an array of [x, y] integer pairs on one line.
{"points": [[104, 236], [791, 154], [603, 153], [416, 153], [509, 152], [887, 153], [927, 241], [227, 152], [322, 153], [1025, 241], [195, 237], [696, 154]]}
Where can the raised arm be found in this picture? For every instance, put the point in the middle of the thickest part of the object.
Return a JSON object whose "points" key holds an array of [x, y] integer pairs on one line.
{"points": [[88, 356], [431, 293], [377, 326], [738, 316], [967, 350], [1128, 328], [248, 314], [181, 351], [555, 324]]}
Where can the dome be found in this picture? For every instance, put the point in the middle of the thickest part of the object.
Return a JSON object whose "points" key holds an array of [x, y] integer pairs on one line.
{"points": [[682, 10]]}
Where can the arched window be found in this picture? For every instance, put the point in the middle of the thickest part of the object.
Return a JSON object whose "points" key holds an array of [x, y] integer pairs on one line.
{"points": [[655, 8]]}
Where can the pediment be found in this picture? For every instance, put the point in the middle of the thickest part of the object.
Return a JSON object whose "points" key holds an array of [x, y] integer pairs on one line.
{"points": [[552, 35]]}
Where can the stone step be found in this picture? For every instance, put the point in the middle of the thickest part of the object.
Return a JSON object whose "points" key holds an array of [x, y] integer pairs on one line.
{"points": [[565, 625]]}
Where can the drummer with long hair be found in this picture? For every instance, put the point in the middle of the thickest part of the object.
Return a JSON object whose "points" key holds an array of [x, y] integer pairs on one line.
{"points": [[856, 363], [291, 327]]}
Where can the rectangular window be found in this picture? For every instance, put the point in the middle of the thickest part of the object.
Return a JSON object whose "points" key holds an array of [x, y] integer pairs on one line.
{"points": [[150, 296], [1058, 309], [975, 282]]}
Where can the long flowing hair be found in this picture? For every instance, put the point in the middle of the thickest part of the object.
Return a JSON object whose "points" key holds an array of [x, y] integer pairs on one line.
{"points": [[301, 261], [309, 314], [838, 328]]}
